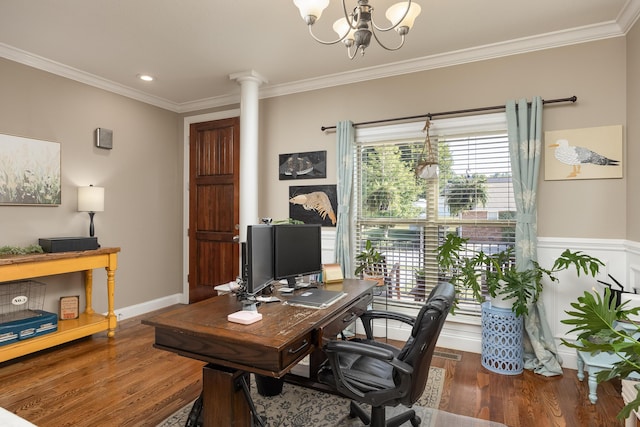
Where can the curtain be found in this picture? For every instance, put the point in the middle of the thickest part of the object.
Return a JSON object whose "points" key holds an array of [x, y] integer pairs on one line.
{"points": [[524, 124], [344, 154]]}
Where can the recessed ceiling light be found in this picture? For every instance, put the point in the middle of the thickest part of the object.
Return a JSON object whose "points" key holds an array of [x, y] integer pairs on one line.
{"points": [[145, 77]]}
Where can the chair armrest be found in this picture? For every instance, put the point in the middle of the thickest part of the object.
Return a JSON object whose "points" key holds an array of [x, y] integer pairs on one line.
{"points": [[363, 349], [338, 346], [369, 316], [347, 382]]}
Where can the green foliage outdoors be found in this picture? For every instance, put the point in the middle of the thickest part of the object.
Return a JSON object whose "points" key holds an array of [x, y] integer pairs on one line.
{"points": [[597, 321], [464, 193], [466, 269], [390, 185]]}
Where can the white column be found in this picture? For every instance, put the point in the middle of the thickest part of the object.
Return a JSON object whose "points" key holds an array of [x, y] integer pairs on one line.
{"points": [[249, 82]]}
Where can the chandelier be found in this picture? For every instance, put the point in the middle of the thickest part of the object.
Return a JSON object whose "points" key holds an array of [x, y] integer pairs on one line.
{"points": [[357, 27]]}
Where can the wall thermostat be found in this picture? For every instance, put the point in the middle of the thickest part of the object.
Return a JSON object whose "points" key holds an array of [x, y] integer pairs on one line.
{"points": [[104, 138]]}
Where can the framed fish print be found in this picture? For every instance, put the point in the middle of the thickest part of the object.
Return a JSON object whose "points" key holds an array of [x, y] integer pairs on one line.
{"points": [[314, 204], [588, 153], [309, 165]]}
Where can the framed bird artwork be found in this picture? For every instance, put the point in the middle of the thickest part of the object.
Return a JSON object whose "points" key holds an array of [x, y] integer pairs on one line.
{"points": [[588, 153]]}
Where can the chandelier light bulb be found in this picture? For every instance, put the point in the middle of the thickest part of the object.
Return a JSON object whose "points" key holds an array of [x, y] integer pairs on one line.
{"points": [[397, 11], [311, 8], [342, 28]]}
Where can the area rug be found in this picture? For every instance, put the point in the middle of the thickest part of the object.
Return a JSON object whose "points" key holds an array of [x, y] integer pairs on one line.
{"points": [[301, 407]]}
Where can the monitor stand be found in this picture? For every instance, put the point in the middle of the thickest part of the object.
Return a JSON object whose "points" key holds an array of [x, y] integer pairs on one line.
{"points": [[296, 282], [249, 302]]}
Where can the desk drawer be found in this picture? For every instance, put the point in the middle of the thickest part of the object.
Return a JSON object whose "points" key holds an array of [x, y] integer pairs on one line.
{"points": [[340, 322], [297, 350]]}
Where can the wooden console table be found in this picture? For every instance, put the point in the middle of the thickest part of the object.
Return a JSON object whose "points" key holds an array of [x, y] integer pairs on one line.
{"points": [[88, 323]]}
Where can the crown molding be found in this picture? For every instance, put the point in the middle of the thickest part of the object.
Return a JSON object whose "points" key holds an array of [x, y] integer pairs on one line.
{"points": [[448, 59], [53, 67], [623, 23]]}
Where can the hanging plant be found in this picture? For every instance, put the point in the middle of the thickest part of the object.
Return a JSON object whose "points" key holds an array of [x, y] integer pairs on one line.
{"points": [[427, 166]]}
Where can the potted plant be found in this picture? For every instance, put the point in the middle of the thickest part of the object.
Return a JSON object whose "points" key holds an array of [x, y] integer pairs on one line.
{"points": [[370, 263], [466, 269], [604, 326]]}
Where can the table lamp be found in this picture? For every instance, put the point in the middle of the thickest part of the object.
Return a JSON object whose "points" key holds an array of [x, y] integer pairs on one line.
{"points": [[91, 199]]}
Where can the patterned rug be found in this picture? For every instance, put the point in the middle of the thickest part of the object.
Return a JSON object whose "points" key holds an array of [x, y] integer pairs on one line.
{"points": [[302, 407]]}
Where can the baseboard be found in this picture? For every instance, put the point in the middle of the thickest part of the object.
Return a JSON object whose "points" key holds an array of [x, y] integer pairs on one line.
{"points": [[465, 337], [148, 306]]}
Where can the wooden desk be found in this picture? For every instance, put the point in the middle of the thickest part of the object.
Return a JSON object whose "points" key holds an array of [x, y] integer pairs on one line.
{"points": [[30, 266], [271, 347]]}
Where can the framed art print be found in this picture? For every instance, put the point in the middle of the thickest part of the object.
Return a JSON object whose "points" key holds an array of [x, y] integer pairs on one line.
{"points": [[29, 171], [589, 153], [314, 204], [307, 165]]}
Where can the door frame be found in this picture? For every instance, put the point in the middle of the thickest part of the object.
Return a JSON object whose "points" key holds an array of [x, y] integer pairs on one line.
{"points": [[187, 121]]}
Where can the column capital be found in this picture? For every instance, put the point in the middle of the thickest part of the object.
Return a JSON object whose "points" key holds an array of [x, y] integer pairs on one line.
{"points": [[250, 75]]}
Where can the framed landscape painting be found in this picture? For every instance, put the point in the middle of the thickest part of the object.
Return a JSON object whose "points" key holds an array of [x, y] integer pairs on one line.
{"points": [[29, 171]]}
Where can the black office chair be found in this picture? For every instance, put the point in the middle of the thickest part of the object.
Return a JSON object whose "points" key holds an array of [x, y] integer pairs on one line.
{"points": [[378, 374]]}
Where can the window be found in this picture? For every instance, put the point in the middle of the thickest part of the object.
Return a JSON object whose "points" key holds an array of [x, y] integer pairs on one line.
{"points": [[406, 217]]}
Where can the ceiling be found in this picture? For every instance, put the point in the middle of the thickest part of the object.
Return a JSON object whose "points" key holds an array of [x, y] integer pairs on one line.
{"points": [[193, 46]]}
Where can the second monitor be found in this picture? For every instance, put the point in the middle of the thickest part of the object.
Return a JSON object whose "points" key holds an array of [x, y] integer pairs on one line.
{"points": [[297, 251]]}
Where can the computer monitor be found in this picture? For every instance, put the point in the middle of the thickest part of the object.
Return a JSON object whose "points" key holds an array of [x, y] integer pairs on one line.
{"points": [[297, 251], [258, 258]]}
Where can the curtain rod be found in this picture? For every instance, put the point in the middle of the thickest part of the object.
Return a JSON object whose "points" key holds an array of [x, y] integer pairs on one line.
{"points": [[571, 99]]}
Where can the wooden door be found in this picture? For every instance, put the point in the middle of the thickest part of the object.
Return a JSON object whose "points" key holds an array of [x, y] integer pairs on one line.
{"points": [[214, 188]]}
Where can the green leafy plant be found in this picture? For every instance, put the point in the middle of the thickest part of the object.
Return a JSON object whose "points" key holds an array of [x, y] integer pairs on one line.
{"points": [[468, 269], [597, 321], [16, 250], [369, 261]]}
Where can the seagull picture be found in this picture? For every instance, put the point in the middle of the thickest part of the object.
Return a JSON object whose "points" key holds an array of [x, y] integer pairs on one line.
{"points": [[578, 156]]}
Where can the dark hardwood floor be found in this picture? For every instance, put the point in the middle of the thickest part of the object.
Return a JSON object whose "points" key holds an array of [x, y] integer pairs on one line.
{"points": [[126, 382]]}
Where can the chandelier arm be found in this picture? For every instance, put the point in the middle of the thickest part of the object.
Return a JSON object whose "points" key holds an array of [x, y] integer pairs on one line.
{"points": [[352, 55], [348, 16], [375, 36], [326, 42], [393, 27]]}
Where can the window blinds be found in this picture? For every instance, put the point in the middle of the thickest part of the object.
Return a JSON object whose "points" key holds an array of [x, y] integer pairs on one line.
{"points": [[406, 218]]}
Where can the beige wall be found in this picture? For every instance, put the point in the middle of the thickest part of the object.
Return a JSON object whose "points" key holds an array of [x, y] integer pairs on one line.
{"points": [[633, 133], [594, 72], [141, 175]]}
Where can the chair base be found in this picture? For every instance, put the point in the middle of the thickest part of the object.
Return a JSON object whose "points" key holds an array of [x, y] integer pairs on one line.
{"points": [[378, 416]]}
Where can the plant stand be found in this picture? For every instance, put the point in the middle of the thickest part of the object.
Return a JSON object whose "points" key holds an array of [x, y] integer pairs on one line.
{"points": [[502, 350]]}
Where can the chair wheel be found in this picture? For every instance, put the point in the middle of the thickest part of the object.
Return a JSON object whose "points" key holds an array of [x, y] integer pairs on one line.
{"points": [[415, 421]]}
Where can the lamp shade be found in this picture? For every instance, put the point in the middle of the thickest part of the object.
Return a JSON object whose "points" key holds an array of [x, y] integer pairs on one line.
{"points": [[90, 199], [311, 7], [395, 12]]}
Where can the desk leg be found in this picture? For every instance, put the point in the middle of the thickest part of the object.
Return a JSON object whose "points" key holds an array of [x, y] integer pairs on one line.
{"points": [[88, 291], [111, 315], [223, 402]]}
